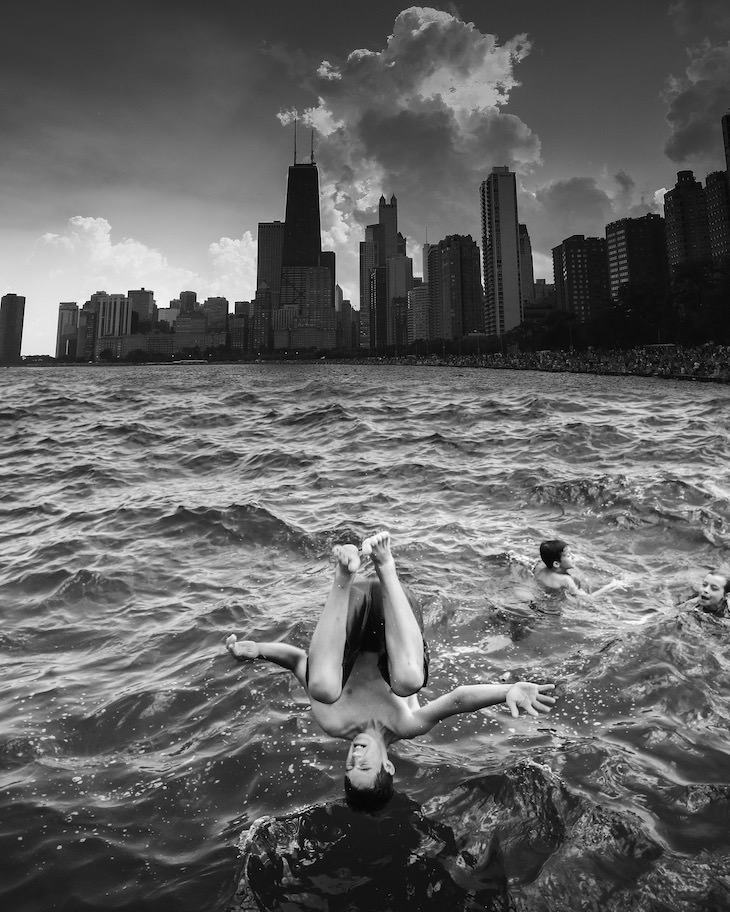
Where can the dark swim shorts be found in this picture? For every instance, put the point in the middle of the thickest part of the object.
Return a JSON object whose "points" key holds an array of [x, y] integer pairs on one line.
{"points": [[366, 629]]}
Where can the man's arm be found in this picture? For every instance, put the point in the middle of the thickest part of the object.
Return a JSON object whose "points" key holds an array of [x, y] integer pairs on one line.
{"points": [[290, 657], [532, 698]]}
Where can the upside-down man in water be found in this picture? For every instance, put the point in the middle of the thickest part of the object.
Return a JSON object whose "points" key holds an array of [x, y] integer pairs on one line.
{"points": [[367, 661]]}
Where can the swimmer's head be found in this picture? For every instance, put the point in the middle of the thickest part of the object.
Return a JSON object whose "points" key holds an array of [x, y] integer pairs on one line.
{"points": [[372, 797], [556, 555], [714, 591], [368, 773]]}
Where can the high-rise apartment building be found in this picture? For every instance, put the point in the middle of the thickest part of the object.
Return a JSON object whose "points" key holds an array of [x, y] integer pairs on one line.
{"points": [[114, 314], [685, 213], [501, 251], [143, 309], [12, 314], [188, 302], [67, 329], [580, 267], [717, 195], [269, 259], [726, 140], [419, 314], [369, 252], [637, 256], [455, 288], [399, 281], [216, 314], [527, 274], [86, 335]]}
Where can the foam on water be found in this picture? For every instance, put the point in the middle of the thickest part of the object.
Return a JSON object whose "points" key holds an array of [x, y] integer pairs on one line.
{"points": [[150, 511]]}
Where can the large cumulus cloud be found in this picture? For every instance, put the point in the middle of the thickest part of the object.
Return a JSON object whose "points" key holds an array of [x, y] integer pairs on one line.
{"points": [[85, 257], [424, 118]]}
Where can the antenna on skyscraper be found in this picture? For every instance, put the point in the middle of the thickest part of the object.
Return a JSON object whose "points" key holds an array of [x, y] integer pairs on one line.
{"points": [[311, 156], [295, 139]]}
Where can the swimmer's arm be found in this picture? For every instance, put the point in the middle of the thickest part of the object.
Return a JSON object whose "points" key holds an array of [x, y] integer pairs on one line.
{"points": [[614, 584], [290, 657], [532, 698], [584, 594]]}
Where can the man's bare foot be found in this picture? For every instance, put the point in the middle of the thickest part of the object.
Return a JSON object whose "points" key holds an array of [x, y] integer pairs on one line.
{"points": [[246, 649], [347, 558], [378, 548]]}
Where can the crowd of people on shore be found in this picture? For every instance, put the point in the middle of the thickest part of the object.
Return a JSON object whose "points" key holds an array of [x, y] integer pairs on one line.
{"points": [[708, 362]]}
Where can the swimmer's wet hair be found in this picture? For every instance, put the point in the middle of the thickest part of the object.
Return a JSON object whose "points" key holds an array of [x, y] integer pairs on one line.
{"points": [[552, 550], [373, 798]]}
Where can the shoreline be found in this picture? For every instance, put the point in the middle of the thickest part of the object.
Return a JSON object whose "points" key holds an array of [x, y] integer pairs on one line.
{"points": [[708, 363]]}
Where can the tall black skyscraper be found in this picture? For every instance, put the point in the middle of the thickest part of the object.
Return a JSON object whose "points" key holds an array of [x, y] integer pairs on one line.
{"points": [[302, 237], [307, 272]]}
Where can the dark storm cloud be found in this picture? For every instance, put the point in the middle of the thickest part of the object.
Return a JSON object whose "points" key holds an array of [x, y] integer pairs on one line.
{"points": [[579, 202], [696, 102], [697, 99]]}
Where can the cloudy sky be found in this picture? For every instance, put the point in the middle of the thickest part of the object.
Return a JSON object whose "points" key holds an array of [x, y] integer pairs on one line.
{"points": [[143, 141]]}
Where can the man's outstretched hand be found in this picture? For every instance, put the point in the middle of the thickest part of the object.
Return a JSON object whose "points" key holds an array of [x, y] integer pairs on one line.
{"points": [[245, 649], [532, 698]]}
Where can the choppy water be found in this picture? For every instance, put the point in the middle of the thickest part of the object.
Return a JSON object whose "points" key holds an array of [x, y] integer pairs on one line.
{"points": [[149, 511]]}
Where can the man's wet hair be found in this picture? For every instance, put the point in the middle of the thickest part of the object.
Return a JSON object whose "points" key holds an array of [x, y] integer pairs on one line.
{"points": [[373, 798], [551, 551]]}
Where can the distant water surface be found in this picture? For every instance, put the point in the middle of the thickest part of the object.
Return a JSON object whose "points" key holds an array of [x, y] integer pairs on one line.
{"points": [[149, 511]]}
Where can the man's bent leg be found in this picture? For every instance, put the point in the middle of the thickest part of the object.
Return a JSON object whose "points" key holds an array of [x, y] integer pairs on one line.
{"points": [[328, 640], [403, 637]]}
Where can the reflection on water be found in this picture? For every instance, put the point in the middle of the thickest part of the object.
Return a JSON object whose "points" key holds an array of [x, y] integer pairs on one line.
{"points": [[150, 511]]}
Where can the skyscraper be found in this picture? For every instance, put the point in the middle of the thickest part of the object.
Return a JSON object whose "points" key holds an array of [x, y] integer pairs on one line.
{"points": [[302, 238], [685, 213], [717, 195], [527, 274], [419, 314], [269, 259], [368, 261], [12, 313], [188, 302], [307, 272], [383, 301], [501, 251], [68, 319], [143, 310], [455, 287], [637, 256], [580, 267], [114, 315]]}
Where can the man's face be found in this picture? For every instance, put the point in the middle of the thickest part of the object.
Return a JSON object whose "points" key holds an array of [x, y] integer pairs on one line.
{"points": [[712, 591], [567, 561], [365, 758]]}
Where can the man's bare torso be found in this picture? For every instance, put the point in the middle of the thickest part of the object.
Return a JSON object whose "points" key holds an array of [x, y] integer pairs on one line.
{"points": [[367, 700]]}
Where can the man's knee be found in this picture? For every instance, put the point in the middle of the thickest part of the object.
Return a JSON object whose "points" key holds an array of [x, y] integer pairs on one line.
{"points": [[324, 688], [408, 682]]}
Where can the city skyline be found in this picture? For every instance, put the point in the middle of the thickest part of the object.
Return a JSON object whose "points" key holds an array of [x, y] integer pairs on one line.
{"points": [[145, 145]]}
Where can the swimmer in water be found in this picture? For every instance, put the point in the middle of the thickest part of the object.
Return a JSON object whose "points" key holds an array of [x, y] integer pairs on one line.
{"points": [[553, 571], [714, 594], [367, 661]]}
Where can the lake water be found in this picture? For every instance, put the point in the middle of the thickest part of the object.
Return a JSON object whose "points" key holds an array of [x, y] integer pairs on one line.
{"points": [[149, 511]]}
